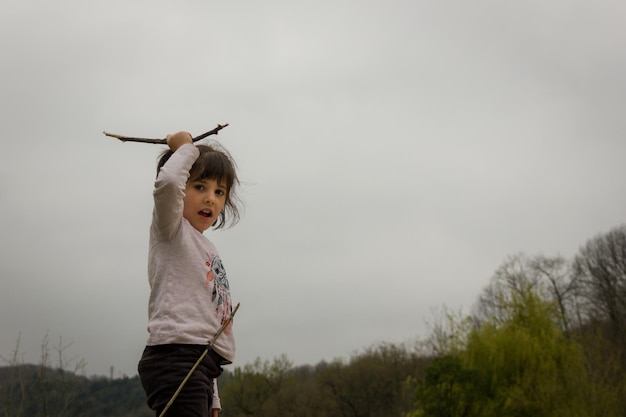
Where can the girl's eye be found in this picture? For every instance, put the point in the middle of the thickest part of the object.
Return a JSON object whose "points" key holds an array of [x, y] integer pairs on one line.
{"points": [[199, 187], [220, 192]]}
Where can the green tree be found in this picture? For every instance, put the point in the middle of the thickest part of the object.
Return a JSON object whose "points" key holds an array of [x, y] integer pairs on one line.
{"points": [[448, 389], [299, 396], [373, 383], [517, 363], [526, 366], [249, 389]]}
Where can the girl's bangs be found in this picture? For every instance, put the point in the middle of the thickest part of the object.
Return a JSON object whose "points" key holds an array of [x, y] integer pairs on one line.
{"points": [[213, 165]]}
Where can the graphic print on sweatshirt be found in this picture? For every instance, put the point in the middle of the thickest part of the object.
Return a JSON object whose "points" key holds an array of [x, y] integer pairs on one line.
{"points": [[220, 295]]}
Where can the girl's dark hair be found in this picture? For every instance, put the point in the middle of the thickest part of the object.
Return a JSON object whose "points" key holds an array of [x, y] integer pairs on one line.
{"points": [[215, 163]]}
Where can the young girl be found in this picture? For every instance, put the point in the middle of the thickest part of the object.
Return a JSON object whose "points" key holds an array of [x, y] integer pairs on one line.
{"points": [[190, 296]]}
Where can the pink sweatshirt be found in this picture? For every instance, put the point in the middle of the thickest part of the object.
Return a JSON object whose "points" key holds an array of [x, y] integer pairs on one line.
{"points": [[190, 296]]}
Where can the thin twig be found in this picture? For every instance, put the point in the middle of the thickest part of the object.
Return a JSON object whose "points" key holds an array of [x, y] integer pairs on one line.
{"points": [[163, 141], [195, 365]]}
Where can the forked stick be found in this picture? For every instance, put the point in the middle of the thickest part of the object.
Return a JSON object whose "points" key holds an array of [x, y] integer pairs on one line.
{"points": [[195, 365], [163, 141]]}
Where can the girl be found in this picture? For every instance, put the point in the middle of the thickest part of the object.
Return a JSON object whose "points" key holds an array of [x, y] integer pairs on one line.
{"points": [[190, 297]]}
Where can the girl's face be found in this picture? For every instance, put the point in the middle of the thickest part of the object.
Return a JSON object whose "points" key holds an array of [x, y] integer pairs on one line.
{"points": [[204, 201]]}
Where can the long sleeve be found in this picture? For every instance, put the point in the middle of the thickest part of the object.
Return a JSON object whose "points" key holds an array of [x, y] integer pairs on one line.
{"points": [[169, 191], [216, 404]]}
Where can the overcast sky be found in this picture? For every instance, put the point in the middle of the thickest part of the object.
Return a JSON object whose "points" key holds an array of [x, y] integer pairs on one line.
{"points": [[394, 153]]}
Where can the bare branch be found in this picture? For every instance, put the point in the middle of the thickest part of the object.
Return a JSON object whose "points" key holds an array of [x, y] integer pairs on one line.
{"points": [[163, 141]]}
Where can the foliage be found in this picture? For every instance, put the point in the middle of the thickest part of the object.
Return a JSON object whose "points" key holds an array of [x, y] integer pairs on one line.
{"points": [[58, 389], [251, 388], [21, 389], [372, 383], [526, 366], [519, 366], [447, 390], [547, 338]]}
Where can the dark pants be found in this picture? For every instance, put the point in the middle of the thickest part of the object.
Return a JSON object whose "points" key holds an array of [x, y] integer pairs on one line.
{"points": [[163, 367]]}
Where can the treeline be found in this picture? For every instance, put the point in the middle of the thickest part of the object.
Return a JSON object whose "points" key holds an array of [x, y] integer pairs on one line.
{"points": [[34, 390], [546, 337], [380, 381]]}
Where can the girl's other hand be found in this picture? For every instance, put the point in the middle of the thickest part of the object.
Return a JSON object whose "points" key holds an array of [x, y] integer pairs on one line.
{"points": [[177, 140]]}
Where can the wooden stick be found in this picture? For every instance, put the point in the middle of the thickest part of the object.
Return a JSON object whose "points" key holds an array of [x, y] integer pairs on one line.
{"points": [[163, 141], [193, 368]]}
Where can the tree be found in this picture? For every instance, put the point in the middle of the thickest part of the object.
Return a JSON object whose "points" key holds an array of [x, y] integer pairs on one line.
{"points": [[600, 270], [12, 388], [448, 389], [516, 363], [376, 382], [600, 275], [250, 388], [48, 389], [526, 366], [373, 383], [551, 278], [556, 273]]}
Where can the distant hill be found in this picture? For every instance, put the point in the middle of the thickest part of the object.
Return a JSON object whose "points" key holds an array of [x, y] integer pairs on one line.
{"points": [[31, 390]]}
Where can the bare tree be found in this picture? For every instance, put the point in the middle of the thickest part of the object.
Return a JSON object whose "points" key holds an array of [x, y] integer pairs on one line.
{"points": [[600, 272], [556, 276], [13, 392], [552, 278], [47, 389], [515, 277]]}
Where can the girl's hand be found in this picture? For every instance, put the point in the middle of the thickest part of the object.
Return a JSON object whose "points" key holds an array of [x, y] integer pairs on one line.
{"points": [[177, 140], [215, 412]]}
